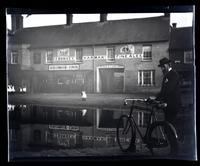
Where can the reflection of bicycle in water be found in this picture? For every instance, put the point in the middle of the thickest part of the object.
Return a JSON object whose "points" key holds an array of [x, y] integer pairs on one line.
{"points": [[160, 136]]}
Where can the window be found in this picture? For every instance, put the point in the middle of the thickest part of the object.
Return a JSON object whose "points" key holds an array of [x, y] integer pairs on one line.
{"points": [[147, 55], [188, 57], [14, 57], [111, 54], [49, 56], [146, 77], [60, 81], [79, 55], [37, 135], [37, 58]]}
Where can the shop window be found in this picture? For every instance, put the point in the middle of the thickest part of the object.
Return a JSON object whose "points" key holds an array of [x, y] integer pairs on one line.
{"points": [[146, 77], [14, 57], [188, 57], [147, 53], [49, 56], [110, 54], [79, 55], [37, 58]]}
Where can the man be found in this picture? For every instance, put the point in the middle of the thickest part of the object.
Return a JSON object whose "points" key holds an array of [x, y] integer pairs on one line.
{"points": [[170, 91]]}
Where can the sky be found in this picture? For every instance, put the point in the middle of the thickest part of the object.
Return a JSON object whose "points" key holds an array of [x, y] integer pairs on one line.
{"points": [[182, 19]]}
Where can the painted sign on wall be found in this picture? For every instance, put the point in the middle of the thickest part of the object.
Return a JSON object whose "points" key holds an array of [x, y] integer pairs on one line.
{"points": [[63, 67], [127, 49]]}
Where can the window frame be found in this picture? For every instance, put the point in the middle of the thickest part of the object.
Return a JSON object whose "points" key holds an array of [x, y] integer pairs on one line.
{"points": [[14, 60], [47, 54], [141, 81], [113, 54], [185, 57], [34, 60], [79, 60], [143, 51]]}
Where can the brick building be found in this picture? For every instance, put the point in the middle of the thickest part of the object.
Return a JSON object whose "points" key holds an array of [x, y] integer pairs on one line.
{"points": [[102, 57]]}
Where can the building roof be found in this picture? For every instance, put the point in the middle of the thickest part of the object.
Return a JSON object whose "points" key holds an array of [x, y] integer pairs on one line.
{"points": [[96, 33], [181, 38]]}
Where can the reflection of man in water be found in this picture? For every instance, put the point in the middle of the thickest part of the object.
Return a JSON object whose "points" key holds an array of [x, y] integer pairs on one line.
{"points": [[170, 91]]}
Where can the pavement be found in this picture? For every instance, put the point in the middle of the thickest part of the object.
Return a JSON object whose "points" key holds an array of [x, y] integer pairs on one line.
{"points": [[73, 99]]}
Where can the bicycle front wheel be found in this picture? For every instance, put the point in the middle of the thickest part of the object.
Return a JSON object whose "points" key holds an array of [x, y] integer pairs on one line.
{"points": [[126, 134], [162, 139]]}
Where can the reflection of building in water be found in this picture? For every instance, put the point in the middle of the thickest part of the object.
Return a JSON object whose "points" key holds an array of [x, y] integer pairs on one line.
{"points": [[53, 127]]}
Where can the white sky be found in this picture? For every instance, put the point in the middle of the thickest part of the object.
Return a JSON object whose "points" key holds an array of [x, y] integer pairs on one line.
{"points": [[182, 19]]}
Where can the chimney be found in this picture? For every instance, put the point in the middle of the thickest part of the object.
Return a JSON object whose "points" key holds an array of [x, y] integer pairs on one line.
{"points": [[17, 22], [103, 17], [69, 19], [167, 14], [174, 25]]}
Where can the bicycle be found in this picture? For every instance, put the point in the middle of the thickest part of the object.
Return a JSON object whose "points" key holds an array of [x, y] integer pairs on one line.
{"points": [[160, 136]]}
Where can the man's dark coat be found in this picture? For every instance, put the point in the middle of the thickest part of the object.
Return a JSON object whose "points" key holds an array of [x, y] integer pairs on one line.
{"points": [[170, 93]]}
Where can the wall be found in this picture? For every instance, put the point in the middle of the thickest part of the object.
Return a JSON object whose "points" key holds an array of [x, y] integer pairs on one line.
{"points": [[94, 57]]}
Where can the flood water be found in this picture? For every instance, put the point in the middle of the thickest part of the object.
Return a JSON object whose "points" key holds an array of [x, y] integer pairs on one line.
{"points": [[34, 128]]}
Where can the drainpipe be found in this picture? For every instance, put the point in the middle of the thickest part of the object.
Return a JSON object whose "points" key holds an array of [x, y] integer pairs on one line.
{"points": [[94, 84]]}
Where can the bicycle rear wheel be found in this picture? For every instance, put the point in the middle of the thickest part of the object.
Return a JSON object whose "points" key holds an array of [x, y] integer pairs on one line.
{"points": [[162, 140], [126, 134]]}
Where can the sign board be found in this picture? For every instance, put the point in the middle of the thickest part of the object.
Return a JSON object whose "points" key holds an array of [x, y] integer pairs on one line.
{"points": [[63, 52], [63, 67], [127, 49], [63, 127]]}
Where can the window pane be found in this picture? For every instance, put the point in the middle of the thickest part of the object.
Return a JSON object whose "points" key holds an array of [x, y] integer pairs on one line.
{"points": [[147, 53], [146, 77], [79, 55], [49, 57], [111, 54], [188, 57], [37, 58], [14, 57]]}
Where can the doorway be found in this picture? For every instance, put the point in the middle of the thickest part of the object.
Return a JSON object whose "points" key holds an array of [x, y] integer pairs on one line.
{"points": [[110, 80]]}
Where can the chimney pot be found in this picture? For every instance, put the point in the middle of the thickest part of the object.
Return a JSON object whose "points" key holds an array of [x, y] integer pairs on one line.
{"points": [[167, 14], [17, 22], [174, 25], [103, 17], [69, 19]]}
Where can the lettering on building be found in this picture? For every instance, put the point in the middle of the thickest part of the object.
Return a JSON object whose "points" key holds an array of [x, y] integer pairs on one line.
{"points": [[63, 67]]}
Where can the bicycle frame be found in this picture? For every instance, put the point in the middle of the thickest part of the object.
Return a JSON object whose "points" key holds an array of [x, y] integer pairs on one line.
{"points": [[152, 115]]}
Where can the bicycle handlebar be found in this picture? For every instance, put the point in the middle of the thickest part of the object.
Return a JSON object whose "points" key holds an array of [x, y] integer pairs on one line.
{"points": [[149, 101]]}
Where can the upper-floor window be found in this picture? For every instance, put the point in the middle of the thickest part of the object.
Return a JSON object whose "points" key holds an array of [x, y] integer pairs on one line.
{"points": [[147, 53], [188, 58], [79, 55], [14, 57], [49, 56], [37, 135], [110, 54], [146, 77], [37, 58]]}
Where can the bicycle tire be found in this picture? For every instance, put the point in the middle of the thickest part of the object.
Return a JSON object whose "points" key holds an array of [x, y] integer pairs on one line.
{"points": [[162, 139], [126, 134]]}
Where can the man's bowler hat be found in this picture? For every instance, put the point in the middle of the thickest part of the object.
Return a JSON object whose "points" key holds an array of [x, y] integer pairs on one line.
{"points": [[163, 61]]}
